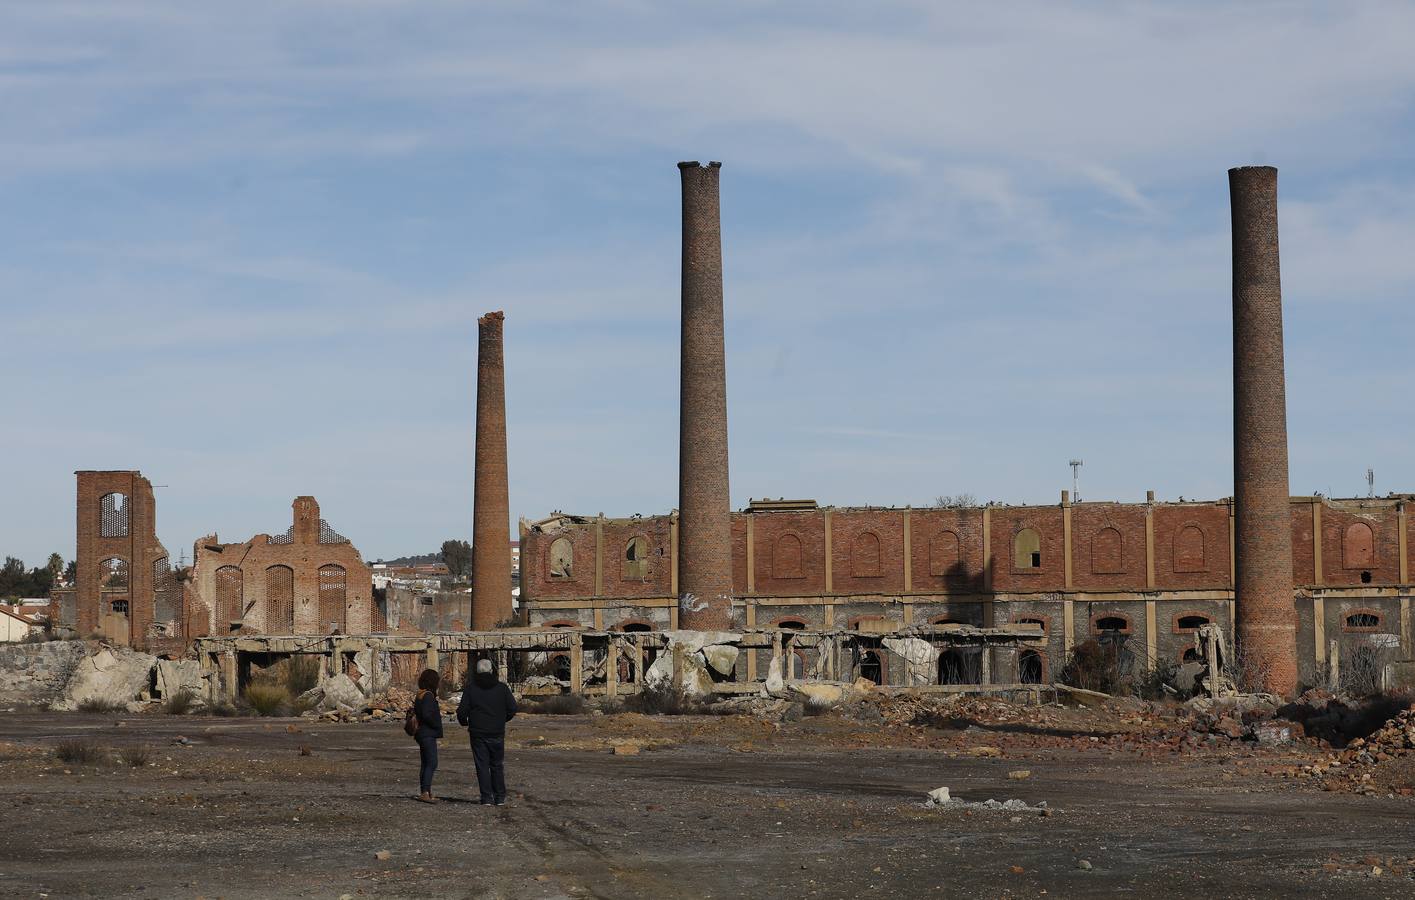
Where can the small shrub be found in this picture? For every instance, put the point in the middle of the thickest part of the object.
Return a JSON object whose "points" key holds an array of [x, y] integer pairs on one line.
{"points": [[302, 674], [267, 699], [561, 705], [1093, 666], [223, 708], [135, 756], [100, 705], [79, 752], [180, 703], [665, 701]]}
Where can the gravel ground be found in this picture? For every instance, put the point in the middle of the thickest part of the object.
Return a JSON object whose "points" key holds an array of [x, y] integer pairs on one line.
{"points": [[707, 807]]}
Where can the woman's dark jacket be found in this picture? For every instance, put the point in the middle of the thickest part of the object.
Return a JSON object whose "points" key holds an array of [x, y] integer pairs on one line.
{"points": [[429, 715]]}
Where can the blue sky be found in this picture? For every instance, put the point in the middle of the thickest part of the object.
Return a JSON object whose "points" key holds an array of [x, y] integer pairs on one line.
{"points": [[244, 247]]}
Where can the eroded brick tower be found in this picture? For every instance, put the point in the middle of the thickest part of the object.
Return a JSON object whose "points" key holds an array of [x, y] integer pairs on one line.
{"points": [[1266, 615], [491, 508], [704, 505]]}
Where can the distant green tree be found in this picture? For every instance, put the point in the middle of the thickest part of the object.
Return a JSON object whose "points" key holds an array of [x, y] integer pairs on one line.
{"points": [[55, 564], [457, 555], [12, 577], [71, 571]]}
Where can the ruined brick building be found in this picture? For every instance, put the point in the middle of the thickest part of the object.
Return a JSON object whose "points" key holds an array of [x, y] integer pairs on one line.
{"points": [[308, 580], [1150, 573]]}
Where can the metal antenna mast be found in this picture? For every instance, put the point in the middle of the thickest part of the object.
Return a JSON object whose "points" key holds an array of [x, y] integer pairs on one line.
{"points": [[1076, 465]]}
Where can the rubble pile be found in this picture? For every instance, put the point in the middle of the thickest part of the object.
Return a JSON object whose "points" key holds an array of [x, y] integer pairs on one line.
{"points": [[1357, 766]]}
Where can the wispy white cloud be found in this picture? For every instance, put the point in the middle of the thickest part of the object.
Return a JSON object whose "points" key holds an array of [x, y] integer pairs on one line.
{"points": [[963, 242]]}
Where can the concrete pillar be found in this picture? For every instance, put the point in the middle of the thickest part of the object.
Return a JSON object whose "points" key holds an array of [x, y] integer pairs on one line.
{"points": [[1266, 617], [491, 510], [704, 504]]}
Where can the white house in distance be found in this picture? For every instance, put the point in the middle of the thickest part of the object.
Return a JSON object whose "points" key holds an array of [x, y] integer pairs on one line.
{"points": [[17, 623]]}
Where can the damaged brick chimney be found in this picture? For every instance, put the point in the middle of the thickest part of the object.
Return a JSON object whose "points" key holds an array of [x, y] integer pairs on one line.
{"points": [[1266, 614], [704, 505], [491, 507]]}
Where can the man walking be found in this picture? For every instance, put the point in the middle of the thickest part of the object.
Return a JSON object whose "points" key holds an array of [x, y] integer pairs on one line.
{"points": [[487, 705]]}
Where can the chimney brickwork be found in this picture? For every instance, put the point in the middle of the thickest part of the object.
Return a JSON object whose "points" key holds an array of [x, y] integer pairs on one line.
{"points": [[1265, 606], [491, 510], [704, 504]]}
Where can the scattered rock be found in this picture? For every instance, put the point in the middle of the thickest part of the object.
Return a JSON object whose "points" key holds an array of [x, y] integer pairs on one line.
{"points": [[383, 856], [1019, 774], [1084, 865]]}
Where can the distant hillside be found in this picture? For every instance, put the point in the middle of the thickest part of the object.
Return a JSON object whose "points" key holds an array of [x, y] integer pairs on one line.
{"points": [[426, 559]]}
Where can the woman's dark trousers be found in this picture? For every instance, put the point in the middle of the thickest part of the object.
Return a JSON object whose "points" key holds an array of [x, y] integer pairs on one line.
{"points": [[427, 753]]}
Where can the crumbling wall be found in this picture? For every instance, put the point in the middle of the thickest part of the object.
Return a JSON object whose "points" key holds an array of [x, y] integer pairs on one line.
{"points": [[309, 580]]}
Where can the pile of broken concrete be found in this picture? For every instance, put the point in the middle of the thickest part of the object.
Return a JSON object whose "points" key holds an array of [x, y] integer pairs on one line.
{"points": [[118, 676]]}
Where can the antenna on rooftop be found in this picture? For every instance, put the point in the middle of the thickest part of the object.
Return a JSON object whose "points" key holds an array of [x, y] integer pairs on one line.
{"points": [[1076, 465], [1370, 482]]}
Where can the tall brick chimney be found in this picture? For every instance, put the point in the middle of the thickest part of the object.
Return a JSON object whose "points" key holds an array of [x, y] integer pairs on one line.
{"points": [[704, 505], [1266, 612], [491, 508]]}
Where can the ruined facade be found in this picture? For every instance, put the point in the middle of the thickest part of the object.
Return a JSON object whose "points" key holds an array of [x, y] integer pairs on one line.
{"points": [[705, 569], [1144, 575], [124, 588], [309, 580], [1267, 622]]}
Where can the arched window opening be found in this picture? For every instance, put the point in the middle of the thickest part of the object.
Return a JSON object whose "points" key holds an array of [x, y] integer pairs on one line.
{"points": [[279, 600], [1189, 550], [636, 560], [113, 515], [164, 591], [1040, 623], [637, 626], [1112, 624], [1027, 550], [958, 666], [1192, 622], [1029, 667], [1191, 654], [1363, 620], [865, 556], [560, 561], [1359, 546], [1108, 552], [230, 608], [945, 560], [113, 574], [333, 598], [871, 669], [791, 625], [786, 557]]}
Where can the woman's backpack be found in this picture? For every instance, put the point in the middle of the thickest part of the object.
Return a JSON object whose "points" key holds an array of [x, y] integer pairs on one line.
{"points": [[410, 720]]}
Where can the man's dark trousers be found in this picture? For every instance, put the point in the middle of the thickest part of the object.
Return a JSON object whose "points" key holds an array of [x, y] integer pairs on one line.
{"points": [[490, 754]]}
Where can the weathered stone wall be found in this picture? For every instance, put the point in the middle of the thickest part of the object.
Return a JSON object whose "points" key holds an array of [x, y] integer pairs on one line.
{"points": [[37, 673]]}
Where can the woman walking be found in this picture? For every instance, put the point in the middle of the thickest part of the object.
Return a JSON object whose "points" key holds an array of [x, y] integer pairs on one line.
{"points": [[429, 730]]}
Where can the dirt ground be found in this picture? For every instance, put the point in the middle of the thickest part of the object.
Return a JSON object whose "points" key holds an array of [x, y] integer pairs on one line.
{"points": [[707, 807]]}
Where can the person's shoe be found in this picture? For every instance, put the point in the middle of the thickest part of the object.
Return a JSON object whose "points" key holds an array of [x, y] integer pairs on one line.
{"points": [[427, 798], [500, 801], [484, 801]]}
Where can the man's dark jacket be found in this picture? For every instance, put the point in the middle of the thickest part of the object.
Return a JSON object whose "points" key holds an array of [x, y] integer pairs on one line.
{"points": [[486, 707]]}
